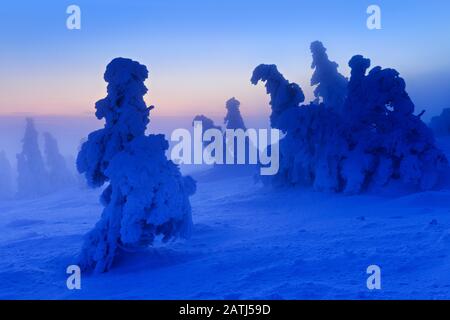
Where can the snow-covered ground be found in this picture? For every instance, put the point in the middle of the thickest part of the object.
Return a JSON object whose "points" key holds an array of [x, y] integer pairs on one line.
{"points": [[249, 242]]}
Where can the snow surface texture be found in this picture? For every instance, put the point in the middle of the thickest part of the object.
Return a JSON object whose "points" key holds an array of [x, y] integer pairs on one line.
{"points": [[248, 242], [369, 140], [441, 124], [146, 198]]}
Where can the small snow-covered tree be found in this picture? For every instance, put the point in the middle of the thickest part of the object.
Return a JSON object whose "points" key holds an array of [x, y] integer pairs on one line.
{"points": [[441, 124], [233, 119], [6, 182], [32, 179], [372, 139], [147, 198], [59, 174], [331, 85], [207, 124]]}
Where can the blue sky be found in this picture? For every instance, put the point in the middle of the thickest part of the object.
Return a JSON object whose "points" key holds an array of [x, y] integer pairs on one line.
{"points": [[200, 53]]}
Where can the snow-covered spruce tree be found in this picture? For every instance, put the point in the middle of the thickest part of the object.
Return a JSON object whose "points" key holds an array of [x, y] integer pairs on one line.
{"points": [[309, 147], [373, 140], [283, 94], [385, 134], [6, 183], [147, 198], [331, 85], [441, 124], [207, 124], [233, 119], [59, 174], [32, 178]]}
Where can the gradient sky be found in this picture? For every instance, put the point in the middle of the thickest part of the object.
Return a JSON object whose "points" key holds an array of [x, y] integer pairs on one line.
{"points": [[200, 53]]}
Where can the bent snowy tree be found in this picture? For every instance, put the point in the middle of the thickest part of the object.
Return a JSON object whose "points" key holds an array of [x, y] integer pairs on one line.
{"points": [[147, 198], [370, 140]]}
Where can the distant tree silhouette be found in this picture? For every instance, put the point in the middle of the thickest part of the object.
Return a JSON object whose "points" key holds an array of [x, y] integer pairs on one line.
{"points": [[59, 175], [32, 179]]}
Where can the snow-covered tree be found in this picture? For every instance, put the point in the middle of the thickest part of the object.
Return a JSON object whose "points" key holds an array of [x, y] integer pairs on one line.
{"points": [[233, 119], [147, 198], [32, 179], [283, 94], [385, 131], [331, 85], [6, 182], [441, 124], [207, 124], [371, 140], [59, 174]]}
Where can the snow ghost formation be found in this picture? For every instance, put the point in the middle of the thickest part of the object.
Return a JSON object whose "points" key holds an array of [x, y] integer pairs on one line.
{"points": [[32, 176], [441, 124], [331, 85], [233, 119], [6, 184], [147, 198], [207, 124], [366, 137], [59, 174]]}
